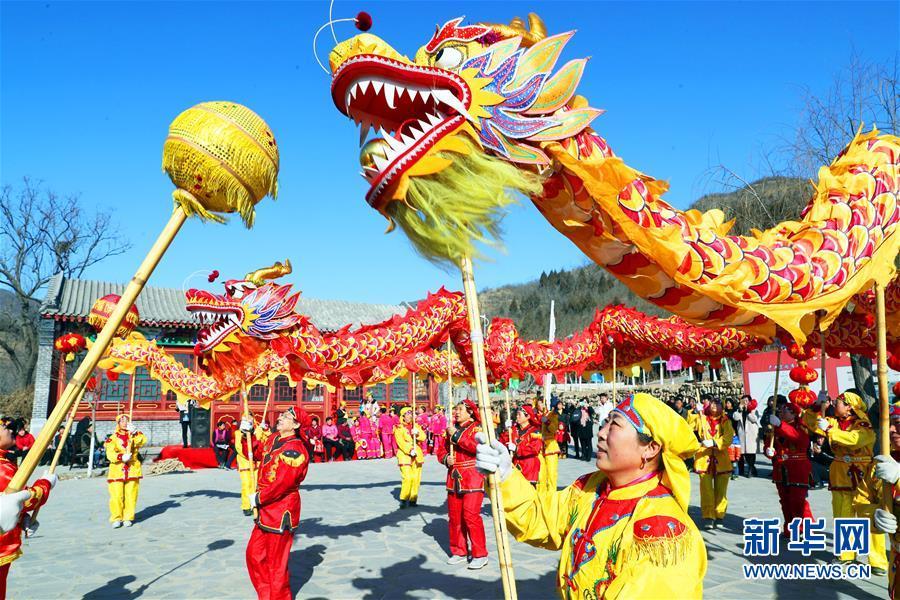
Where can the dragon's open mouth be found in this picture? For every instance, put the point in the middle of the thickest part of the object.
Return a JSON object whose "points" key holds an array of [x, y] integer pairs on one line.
{"points": [[218, 318], [411, 106]]}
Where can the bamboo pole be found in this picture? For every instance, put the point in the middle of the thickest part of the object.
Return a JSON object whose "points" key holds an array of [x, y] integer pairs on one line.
{"points": [[248, 435], [770, 440], [76, 384], [614, 377], [822, 350], [509, 416], [884, 408], [269, 395], [131, 396], [481, 388]]}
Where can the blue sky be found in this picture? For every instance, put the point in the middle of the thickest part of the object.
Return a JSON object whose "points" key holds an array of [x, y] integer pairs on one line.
{"points": [[88, 91]]}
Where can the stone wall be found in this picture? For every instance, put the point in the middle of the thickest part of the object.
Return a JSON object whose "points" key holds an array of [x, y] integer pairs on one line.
{"points": [[43, 373]]}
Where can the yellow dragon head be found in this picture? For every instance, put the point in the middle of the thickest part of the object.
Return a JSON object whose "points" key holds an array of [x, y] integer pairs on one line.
{"points": [[465, 119]]}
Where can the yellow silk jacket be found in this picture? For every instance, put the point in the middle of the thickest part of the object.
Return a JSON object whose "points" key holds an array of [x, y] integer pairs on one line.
{"points": [[119, 443], [853, 468], [718, 454], [631, 542], [404, 437]]}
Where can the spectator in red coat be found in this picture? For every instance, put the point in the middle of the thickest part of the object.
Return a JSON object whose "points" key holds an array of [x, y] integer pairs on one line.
{"points": [[24, 440]]}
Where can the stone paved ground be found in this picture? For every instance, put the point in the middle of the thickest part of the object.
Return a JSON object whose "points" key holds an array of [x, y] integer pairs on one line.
{"points": [[190, 537]]}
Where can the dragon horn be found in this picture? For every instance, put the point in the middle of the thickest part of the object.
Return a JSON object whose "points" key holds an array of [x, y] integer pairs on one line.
{"points": [[259, 276], [538, 30]]}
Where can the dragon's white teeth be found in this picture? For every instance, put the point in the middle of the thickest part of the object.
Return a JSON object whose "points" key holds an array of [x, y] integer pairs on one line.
{"points": [[389, 90], [381, 162], [433, 120], [426, 95], [395, 144], [376, 85], [447, 97], [364, 132], [407, 140]]}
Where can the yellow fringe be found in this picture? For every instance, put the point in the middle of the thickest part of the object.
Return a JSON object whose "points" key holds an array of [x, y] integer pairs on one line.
{"points": [[665, 551]]}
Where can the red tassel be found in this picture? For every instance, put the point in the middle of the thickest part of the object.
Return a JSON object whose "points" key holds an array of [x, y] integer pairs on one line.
{"points": [[363, 21]]}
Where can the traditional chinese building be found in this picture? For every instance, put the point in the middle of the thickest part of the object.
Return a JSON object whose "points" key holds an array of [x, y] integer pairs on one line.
{"points": [[163, 317]]}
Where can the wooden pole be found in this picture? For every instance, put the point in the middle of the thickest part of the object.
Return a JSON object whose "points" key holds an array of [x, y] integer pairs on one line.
{"points": [[269, 395], [449, 380], [76, 384], [884, 406], [509, 416], [614, 377], [822, 350], [777, 375], [131, 396], [248, 435], [481, 388]]}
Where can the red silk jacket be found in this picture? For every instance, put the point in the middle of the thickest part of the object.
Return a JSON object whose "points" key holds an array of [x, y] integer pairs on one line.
{"points": [[11, 541], [791, 465], [526, 458], [284, 465], [462, 477]]}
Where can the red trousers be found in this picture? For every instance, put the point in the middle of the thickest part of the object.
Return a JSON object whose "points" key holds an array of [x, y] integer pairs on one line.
{"points": [[4, 571], [465, 523], [793, 503], [267, 562]]}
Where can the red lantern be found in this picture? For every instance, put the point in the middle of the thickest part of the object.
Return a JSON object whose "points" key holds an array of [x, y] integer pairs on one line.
{"points": [[69, 345], [897, 389], [91, 384], [803, 375], [800, 353], [104, 307], [802, 397]]}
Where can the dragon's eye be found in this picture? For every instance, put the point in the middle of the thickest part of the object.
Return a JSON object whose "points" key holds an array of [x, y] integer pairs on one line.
{"points": [[448, 58]]}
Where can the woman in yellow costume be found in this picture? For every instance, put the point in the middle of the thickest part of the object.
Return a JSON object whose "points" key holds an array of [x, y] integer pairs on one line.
{"points": [[712, 461], [409, 457], [855, 491], [549, 458], [623, 531], [124, 475]]}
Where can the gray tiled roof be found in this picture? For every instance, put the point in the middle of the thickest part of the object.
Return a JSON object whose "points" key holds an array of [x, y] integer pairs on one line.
{"points": [[72, 299]]}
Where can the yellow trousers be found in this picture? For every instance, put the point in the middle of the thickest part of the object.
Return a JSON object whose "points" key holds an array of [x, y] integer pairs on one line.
{"points": [[842, 505], [246, 488], [714, 495], [547, 478], [122, 500], [410, 476]]}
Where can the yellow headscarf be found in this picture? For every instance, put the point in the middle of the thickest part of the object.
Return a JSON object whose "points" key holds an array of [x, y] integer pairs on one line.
{"points": [[856, 404], [404, 410], [650, 416]]}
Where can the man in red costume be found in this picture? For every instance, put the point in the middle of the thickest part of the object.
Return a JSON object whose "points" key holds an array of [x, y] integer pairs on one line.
{"points": [[13, 506], [277, 502], [465, 487], [791, 467]]}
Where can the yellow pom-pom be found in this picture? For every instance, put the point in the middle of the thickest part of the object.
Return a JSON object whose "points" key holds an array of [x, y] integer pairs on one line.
{"points": [[223, 158]]}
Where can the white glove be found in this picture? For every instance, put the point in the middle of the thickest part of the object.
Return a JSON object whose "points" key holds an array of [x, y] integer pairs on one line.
{"points": [[707, 443], [254, 501], [412, 452], [11, 506], [887, 469], [823, 424], [770, 452], [51, 478], [509, 423], [246, 425], [885, 522], [822, 397], [774, 421], [511, 446], [132, 428], [126, 457], [699, 407], [492, 459]]}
